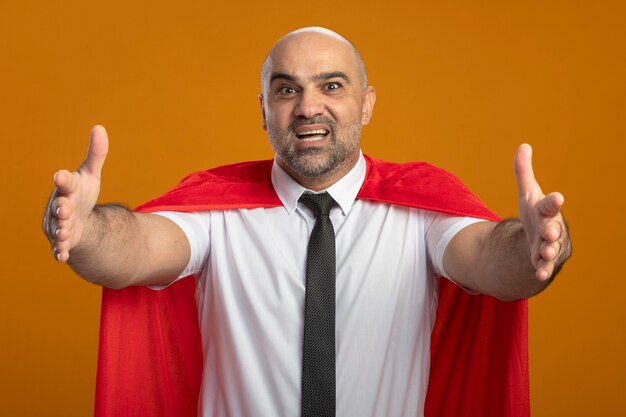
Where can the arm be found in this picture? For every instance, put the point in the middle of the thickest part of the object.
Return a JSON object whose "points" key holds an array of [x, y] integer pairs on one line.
{"points": [[516, 258], [108, 244]]}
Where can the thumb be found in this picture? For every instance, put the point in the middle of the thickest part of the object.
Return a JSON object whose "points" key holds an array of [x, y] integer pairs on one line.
{"points": [[97, 152], [526, 183]]}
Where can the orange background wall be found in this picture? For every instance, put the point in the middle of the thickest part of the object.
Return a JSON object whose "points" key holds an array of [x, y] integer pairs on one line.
{"points": [[459, 85]]}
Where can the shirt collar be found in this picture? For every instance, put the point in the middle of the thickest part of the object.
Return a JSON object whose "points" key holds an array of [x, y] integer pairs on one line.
{"points": [[344, 191]]}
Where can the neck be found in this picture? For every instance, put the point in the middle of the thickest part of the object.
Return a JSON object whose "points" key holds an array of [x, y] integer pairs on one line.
{"points": [[321, 182]]}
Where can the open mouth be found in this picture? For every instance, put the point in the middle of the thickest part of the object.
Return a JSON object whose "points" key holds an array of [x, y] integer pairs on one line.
{"points": [[312, 135]]}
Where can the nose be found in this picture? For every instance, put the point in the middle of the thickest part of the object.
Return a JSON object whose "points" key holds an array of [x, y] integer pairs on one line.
{"points": [[309, 104]]}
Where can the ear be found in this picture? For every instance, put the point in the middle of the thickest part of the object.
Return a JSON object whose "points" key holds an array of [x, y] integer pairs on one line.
{"points": [[262, 111], [367, 106]]}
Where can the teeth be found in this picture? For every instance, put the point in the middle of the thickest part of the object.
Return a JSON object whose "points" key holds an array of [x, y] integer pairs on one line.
{"points": [[312, 135], [314, 132]]}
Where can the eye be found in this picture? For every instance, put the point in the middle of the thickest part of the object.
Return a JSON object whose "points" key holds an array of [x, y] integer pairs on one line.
{"points": [[332, 86], [286, 90]]}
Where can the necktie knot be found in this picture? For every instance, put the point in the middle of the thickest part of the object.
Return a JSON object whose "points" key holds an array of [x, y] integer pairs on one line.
{"points": [[320, 204]]}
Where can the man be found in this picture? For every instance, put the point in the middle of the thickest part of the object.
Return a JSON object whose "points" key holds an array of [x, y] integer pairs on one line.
{"points": [[251, 263]]}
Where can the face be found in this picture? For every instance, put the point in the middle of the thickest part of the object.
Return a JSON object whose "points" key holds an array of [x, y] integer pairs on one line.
{"points": [[314, 106]]}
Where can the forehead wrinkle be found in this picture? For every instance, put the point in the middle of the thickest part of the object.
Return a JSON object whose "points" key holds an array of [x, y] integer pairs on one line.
{"points": [[332, 74], [268, 62], [282, 76], [317, 77]]}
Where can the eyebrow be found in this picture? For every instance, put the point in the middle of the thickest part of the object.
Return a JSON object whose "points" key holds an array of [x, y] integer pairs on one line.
{"points": [[319, 77]]}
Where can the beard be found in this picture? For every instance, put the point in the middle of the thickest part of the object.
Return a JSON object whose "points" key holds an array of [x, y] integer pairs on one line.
{"points": [[316, 162]]}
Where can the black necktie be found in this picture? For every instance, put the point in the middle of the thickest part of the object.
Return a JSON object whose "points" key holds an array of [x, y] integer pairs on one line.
{"points": [[318, 358]]}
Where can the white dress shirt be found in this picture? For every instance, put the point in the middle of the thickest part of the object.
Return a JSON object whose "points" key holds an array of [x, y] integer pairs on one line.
{"points": [[250, 265]]}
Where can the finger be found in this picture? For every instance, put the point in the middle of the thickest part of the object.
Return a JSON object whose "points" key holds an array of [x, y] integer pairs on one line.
{"points": [[526, 183], [550, 205], [544, 270], [65, 182], [53, 226], [50, 229], [61, 208], [52, 220], [61, 229], [97, 152], [550, 251], [62, 234], [61, 252], [551, 231]]}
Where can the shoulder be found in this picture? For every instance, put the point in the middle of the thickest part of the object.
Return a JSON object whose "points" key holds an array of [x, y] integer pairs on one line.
{"points": [[420, 185], [241, 172], [241, 185], [411, 177], [406, 172]]}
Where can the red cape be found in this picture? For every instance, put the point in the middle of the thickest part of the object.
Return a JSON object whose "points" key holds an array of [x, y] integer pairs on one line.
{"points": [[150, 359]]}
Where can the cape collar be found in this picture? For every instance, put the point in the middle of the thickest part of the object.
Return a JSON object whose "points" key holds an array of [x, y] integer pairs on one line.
{"points": [[249, 185]]}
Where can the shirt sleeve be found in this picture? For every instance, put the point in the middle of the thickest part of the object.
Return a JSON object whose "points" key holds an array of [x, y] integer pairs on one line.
{"points": [[196, 226], [439, 234]]}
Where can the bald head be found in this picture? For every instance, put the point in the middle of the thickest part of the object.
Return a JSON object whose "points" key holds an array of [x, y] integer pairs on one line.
{"points": [[310, 34]]}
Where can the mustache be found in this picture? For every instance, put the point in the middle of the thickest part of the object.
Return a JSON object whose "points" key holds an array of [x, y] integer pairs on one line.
{"points": [[318, 120]]}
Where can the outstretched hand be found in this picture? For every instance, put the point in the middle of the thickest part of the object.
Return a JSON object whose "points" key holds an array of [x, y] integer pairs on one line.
{"points": [[74, 198], [540, 214]]}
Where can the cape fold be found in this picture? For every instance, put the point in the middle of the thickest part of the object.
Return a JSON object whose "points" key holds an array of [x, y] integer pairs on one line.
{"points": [[150, 358]]}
